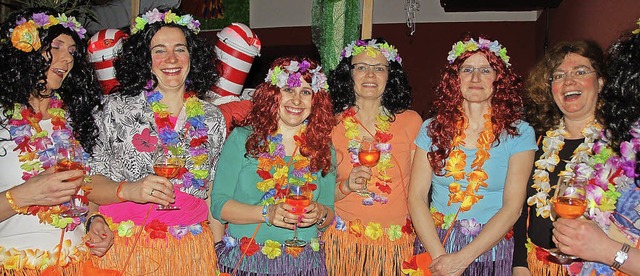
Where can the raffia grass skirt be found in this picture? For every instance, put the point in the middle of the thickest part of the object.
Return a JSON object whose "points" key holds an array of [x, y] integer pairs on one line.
{"points": [[543, 268], [348, 254], [190, 255]]}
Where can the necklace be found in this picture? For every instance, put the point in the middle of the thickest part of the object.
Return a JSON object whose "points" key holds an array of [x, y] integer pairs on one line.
{"points": [[37, 152], [275, 185], [457, 161], [195, 175], [552, 144], [383, 137]]}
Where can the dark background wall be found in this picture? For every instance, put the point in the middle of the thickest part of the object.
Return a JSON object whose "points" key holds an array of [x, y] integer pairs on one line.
{"points": [[424, 53]]}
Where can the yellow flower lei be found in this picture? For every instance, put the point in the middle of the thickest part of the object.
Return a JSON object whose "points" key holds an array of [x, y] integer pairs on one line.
{"points": [[457, 161], [383, 135], [552, 144]]}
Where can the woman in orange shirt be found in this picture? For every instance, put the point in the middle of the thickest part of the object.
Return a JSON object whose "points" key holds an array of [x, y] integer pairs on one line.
{"points": [[372, 233]]}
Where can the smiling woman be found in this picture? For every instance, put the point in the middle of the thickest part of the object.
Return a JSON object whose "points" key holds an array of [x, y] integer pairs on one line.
{"points": [[561, 103], [274, 188], [159, 113]]}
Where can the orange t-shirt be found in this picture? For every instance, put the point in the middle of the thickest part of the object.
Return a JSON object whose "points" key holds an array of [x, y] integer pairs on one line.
{"points": [[395, 211]]}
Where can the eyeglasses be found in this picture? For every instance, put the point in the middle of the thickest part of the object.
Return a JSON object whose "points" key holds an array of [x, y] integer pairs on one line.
{"points": [[579, 73], [365, 67], [468, 70]]}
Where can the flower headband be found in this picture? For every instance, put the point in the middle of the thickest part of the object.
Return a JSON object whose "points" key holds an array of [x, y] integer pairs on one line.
{"points": [[356, 47], [471, 45], [289, 76], [167, 17], [25, 35]]}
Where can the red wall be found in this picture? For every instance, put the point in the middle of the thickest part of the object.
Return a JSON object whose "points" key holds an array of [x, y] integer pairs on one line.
{"points": [[424, 54]]}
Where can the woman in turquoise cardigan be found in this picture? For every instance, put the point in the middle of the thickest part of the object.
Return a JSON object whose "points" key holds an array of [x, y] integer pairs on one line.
{"points": [[284, 145]]}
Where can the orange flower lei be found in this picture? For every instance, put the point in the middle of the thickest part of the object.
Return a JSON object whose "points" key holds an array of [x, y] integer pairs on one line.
{"points": [[457, 161]]}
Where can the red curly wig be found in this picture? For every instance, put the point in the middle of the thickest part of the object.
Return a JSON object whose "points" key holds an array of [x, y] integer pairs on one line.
{"points": [[263, 118], [506, 106]]}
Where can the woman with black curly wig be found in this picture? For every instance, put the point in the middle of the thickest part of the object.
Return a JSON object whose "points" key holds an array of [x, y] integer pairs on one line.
{"points": [[371, 96], [48, 95], [561, 103], [164, 71], [279, 162], [608, 242], [470, 171]]}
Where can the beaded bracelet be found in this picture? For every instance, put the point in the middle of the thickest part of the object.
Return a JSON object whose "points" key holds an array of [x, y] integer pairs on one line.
{"points": [[14, 206], [120, 189], [264, 215], [340, 189]]}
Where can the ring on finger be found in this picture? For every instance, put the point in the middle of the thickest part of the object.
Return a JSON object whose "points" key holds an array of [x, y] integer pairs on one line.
{"points": [[283, 219], [151, 193]]}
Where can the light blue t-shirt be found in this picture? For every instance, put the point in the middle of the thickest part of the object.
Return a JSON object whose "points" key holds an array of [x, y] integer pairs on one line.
{"points": [[496, 168]]}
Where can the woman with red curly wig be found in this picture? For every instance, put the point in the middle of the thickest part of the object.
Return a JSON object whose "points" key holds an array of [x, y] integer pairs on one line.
{"points": [[474, 157], [283, 146]]}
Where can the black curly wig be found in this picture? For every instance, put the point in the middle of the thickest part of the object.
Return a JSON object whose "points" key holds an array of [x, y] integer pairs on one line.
{"points": [[621, 92], [133, 66], [23, 75], [396, 97]]}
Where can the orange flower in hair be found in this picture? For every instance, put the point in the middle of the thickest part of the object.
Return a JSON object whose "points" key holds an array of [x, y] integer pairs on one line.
{"points": [[25, 37]]}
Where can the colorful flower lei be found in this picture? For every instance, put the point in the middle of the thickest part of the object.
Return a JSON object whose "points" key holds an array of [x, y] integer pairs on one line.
{"points": [[197, 174], [371, 48], [289, 76], [552, 144], [25, 35], [457, 161], [383, 136], [167, 17], [275, 186], [373, 230], [272, 249], [471, 46], [37, 153], [608, 174]]}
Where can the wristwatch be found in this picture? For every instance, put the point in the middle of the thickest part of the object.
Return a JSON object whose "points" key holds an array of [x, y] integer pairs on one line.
{"points": [[621, 256]]}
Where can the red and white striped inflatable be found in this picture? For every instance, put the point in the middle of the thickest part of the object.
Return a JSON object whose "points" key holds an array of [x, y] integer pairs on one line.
{"points": [[236, 48], [103, 48]]}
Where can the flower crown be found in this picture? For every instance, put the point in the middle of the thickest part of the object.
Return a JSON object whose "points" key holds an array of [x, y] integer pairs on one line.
{"points": [[25, 35], [471, 45], [637, 31], [356, 47], [289, 76], [167, 17]]}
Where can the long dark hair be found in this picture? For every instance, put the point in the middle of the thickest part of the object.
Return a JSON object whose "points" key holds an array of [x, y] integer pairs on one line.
{"points": [[23, 75]]}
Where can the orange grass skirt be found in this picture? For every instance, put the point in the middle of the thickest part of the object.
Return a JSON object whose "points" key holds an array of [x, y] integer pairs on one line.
{"points": [[191, 255], [348, 254], [543, 268]]}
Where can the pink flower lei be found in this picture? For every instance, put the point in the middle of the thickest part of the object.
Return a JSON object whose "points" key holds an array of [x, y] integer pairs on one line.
{"points": [[608, 174], [197, 174], [37, 152]]}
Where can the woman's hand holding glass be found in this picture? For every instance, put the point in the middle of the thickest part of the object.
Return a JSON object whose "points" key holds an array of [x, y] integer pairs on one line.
{"points": [[70, 157], [569, 202], [48, 188]]}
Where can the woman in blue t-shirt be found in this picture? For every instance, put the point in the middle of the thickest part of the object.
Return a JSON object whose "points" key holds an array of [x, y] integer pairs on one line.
{"points": [[474, 157]]}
